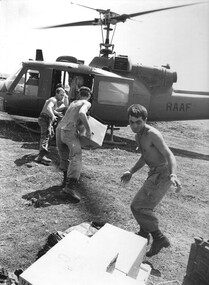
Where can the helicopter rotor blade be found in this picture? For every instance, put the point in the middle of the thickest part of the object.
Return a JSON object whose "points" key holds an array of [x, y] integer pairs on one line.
{"points": [[124, 17], [98, 10], [114, 17], [82, 23]]}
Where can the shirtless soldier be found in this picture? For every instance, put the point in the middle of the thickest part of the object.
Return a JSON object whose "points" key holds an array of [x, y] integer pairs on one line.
{"points": [[162, 174], [68, 142], [46, 118]]}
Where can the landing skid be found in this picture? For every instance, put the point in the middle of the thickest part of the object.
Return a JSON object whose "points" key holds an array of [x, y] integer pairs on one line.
{"points": [[21, 121], [111, 140], [24, 126]]}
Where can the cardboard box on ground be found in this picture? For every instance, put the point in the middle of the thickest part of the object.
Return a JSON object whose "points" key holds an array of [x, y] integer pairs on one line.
{"points": [[111, 256], [98, 131]]}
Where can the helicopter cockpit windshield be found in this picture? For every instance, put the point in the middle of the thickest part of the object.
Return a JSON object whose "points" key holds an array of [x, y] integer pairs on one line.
{"points": [[11, 78]]}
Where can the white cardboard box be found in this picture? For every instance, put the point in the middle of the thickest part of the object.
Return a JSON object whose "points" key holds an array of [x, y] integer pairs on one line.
{"points": [[59, 261], [73, 260], [131, 248], [98, 133], [80, 260]]}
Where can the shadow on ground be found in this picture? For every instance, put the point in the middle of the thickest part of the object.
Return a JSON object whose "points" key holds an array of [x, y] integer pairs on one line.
{"points": [[13, 131], [10, 130], [188, 153], [47, 197], [130, 145]]}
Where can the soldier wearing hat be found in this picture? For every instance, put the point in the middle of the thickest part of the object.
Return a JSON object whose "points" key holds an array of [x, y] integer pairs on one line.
{"points": [[68, 142]]}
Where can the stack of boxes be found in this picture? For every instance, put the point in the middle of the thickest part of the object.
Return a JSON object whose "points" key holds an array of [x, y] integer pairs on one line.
{"points": [[111, 256]]}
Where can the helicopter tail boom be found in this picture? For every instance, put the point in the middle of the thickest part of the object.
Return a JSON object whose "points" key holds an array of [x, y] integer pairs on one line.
{"points": [[181, 105]]}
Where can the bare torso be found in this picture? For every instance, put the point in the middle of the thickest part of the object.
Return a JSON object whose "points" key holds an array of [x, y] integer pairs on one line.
{"points": [[72, 114], [51, 101], [150, 142]]}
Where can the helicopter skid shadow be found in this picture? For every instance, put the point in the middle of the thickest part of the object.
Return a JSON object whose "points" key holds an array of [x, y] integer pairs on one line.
{"points": [[130, 145], [188, 153]]}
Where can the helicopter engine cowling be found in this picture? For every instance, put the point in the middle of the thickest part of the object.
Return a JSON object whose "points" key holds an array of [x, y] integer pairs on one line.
{"points": [[154, 77], [117, 64]]}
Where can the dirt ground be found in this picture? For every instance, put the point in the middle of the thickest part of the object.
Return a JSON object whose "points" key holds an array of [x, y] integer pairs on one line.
{"points": [[32, 207]]}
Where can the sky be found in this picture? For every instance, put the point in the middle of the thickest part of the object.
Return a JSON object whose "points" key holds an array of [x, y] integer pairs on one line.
{"points": [[178, 37]]}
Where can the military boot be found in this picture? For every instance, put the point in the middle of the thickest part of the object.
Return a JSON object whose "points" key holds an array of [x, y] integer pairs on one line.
{"points": [[70, 189], [41, 158], [159, 242], [144, 234]]}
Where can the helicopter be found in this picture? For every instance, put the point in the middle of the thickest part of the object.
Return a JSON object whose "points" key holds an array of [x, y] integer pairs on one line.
{"points": [[115, 82]]}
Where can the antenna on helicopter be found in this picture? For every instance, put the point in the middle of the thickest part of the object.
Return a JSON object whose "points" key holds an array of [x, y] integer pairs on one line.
{"points": [[39, 55]]}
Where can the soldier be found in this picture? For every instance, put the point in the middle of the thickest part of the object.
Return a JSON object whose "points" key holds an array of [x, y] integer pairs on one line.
{"points": [[46, 118], [162, 174], [75, 85], [68, 142]]}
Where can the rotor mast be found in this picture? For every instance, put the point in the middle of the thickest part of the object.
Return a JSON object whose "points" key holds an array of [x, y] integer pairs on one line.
{"points": [[106, 48]]}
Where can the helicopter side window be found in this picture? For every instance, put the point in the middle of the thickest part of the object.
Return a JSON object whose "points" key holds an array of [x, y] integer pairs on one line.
{"points": [[113, 93]]}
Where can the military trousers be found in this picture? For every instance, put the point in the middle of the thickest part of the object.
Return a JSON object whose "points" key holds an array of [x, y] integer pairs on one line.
{"points": [[149, 196], [45, 123], [69, 150]]}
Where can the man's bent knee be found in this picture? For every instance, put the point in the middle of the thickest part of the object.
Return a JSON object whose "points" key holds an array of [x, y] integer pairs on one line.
{"points": [[135, 209], [140, 213]]}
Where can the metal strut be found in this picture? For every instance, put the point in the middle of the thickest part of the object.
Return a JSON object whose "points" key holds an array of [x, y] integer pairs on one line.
{"points": [[111, 141]]}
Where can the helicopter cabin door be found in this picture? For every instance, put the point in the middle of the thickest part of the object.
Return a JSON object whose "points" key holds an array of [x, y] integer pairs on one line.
{"points": [[22, 97], [111, 98]]}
